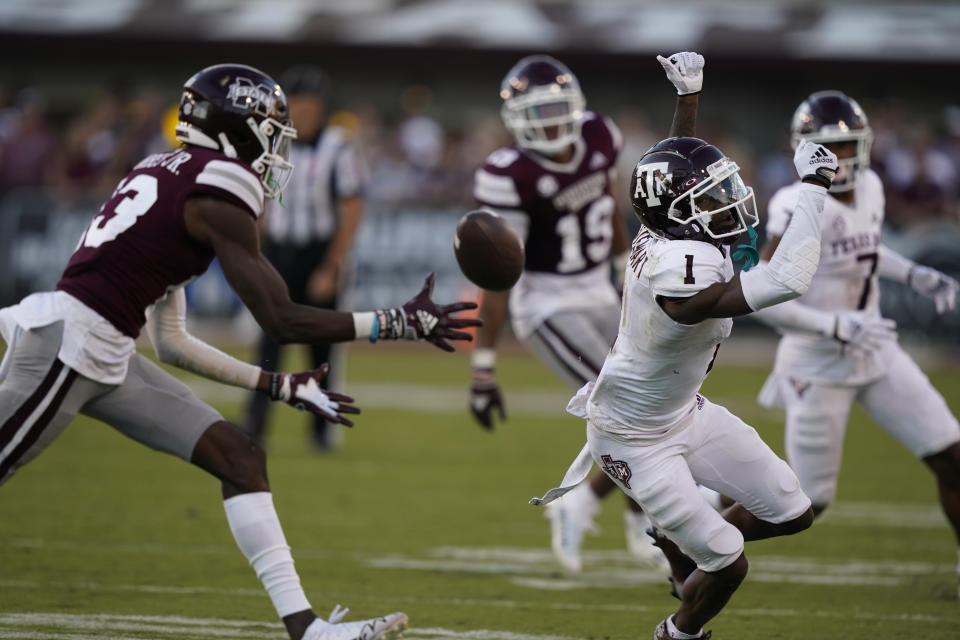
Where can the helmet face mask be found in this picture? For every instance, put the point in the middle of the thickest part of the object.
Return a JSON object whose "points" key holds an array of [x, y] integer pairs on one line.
{"points": [[723, 205], [686, 189], [831, 117], [542, 104], [243, 113]]}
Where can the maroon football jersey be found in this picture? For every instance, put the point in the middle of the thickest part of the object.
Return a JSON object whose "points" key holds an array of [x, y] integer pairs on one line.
{"points": [[137, 246], [568, 206]]}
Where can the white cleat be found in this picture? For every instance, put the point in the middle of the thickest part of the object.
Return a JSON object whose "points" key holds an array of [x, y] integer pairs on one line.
{"points": [[571, 517], [389, 627], [639, 544]]}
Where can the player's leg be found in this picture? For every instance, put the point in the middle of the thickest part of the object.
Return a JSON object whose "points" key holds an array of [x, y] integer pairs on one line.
{"points": [[733, 459], [161, 412], [324, 435], [574, 345], [815, 429], [906, 405], [657, 476], [38, 398]]}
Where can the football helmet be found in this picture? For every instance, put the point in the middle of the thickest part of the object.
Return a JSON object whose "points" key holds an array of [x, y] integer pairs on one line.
{"points": [[242, 112], [686, 189], [827, 117], [542, 104]]}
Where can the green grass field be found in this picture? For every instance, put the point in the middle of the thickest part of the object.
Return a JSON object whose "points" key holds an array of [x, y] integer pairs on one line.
{"points": [[422, 511]]}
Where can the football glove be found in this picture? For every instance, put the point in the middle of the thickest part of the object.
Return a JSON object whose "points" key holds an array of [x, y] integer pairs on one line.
{"points": [[685, 71], [815, 163], [858, 330], [422, 319], [934, 284], [302, 391], [485, 397]]}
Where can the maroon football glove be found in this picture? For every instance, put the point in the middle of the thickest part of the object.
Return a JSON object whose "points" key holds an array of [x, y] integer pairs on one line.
{"points": [[485, 397], [302, 391], [422, 319]]}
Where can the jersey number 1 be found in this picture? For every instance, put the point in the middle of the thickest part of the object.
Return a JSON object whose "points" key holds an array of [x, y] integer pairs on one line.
{"points": [[140, 192]]}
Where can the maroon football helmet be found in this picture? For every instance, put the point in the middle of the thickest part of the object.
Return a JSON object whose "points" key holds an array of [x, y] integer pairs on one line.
{"points": [[241, 112], [542, 104], [686, 189], [827, 117]]}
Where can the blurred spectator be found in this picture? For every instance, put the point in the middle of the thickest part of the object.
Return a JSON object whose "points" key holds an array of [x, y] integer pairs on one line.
{"points": [[28, 149], [921, 178]]}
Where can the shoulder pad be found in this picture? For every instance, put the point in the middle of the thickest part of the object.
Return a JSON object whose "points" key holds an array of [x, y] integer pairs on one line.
{"points": [[234, 178], [495, 189], [681, 268], [780, 209], [502, 158]]}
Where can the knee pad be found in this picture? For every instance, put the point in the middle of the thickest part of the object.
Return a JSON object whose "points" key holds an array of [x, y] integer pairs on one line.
{"points": [[723, 546]]}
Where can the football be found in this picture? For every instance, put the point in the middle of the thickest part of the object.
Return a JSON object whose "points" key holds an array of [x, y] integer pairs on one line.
{"points": [[488, 251]]}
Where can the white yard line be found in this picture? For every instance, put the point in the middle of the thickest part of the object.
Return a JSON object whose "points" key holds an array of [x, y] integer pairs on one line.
{"points": [[205, 627]]}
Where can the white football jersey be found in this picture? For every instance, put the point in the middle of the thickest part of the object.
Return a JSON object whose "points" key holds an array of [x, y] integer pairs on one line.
{"points": [[846, 279], [649, 381]]}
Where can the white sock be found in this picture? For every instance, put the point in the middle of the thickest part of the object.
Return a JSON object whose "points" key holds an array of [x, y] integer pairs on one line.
{"points": [[673, 632], [256, 528]]}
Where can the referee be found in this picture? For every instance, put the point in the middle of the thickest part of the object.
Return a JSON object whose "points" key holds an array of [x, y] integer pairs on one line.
{"points": [[309, 232]]}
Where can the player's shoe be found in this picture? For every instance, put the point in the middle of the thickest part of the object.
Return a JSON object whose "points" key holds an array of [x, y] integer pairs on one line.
{"points": [[661, 633], [571, 517], [639, 544], [389, 627]]}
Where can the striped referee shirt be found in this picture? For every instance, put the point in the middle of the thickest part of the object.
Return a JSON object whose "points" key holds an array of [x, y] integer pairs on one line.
{"points": [[324, 173]]}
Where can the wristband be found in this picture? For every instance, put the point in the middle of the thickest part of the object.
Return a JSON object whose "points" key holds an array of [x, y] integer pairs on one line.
{"points": [[279, 386], [483, 358], [817, 179], [366, 325]]}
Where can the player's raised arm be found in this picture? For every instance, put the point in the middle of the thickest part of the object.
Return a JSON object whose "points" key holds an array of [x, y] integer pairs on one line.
{"points": [[792, 265], [232, 233], [685, 71]]}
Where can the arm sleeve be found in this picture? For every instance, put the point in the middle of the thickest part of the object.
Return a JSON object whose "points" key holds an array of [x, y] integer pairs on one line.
{"points": [[894, 266], [796, 316], [166, 328], [791, 268], [685, 268], [232, 180]]}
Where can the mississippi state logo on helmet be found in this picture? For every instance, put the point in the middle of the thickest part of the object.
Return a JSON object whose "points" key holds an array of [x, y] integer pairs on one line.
{"points": [[542, 104], [686, 189], [828, 117], [241, 112]]}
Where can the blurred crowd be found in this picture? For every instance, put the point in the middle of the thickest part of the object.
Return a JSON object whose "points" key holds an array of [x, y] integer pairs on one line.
{"points": [[79, 154]]}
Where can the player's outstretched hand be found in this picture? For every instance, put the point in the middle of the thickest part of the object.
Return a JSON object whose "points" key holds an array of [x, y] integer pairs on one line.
{"points": [[815, 163], [485, 397], [934, 284], [863, 331], [426, 320], [302, 391], [685, 71]]}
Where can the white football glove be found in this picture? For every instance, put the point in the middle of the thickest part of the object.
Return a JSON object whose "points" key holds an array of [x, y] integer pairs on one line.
{"points": [[934, 284], [862, 331], [814, 161], [685, 71]]}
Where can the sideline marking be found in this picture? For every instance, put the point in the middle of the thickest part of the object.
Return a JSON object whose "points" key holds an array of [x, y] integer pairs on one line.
{"points": [[536, 568]]}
